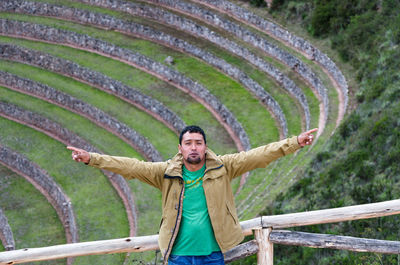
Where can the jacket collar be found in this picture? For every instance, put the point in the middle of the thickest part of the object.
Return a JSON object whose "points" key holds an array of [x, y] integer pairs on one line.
{"points": [[174, 168], [212, 160]]}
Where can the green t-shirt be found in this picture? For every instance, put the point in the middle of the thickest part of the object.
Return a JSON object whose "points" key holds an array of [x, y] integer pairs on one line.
{"points": [[196, 235]]}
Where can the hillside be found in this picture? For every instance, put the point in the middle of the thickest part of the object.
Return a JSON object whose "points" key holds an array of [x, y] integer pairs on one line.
{"points": [[360, 162], [122, 78]]}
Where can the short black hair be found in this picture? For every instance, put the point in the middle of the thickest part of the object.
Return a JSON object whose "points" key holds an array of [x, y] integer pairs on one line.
{"points": [[192, 129]]}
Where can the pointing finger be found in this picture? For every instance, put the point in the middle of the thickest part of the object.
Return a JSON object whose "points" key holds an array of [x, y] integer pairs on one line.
{"points": [[73, 148], [312, 131]]}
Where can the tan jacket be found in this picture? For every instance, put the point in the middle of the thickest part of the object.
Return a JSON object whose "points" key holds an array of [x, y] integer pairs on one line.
{"points": [[220, 170]]}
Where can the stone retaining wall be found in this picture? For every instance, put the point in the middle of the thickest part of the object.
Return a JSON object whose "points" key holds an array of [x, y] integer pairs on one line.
{"points": [[64, 100], [252, 38], [287, 37], [46, 185], [96, 79], [187, 25], [6, 235], [67, 137], [199, 92], [138, 30]]}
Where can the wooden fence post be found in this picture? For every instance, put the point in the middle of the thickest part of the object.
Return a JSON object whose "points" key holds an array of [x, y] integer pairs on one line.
{"points": [[265, 255]]}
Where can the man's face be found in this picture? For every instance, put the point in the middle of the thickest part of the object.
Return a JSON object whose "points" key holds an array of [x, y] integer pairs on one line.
{"points": [[193, 148]]}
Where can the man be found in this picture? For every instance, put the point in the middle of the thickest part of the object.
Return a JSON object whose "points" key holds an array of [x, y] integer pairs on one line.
{"points": [[199, 219]]}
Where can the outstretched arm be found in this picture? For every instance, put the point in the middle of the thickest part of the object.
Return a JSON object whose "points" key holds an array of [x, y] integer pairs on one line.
{"points": [[151, 173], [79, 155], [260, 157]]}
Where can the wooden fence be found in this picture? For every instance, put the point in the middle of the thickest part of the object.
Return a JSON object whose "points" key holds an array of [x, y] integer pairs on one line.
{"points": [[265, 233]]}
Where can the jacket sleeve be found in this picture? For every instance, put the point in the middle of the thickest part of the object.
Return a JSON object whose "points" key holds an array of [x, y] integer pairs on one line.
{"points": [[151, 173], [260, 157]]}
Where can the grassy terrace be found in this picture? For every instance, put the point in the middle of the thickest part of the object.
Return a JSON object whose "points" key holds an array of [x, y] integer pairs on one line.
{"points": [[265, 81], [294, 76], [320, 44], [98, 137], [159, 53], [117, 108], [79, 183], [42, 217], [186, 107], [149, 210], [242, 111], [217, 83], [99, 210]]}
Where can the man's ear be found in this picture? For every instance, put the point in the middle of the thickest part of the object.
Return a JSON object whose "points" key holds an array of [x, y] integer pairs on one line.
{"points": [[179, 149]]}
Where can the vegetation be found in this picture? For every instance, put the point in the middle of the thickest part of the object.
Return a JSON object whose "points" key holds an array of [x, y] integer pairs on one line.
{"points": [[360, 163]]}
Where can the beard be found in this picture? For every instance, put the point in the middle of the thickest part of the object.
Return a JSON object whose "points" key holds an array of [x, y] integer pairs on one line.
{"points": [[194, 161]]}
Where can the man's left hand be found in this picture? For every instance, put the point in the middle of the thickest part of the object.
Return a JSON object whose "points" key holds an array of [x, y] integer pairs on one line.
{"points": [[306, 138]]}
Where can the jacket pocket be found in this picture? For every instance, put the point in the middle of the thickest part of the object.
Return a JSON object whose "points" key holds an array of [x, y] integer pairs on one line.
{"points": [[231, 214], [161, 222]]}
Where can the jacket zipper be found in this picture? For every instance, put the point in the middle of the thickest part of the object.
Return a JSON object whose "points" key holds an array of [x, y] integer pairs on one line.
{"points": [[177, 223], [206, 197]]}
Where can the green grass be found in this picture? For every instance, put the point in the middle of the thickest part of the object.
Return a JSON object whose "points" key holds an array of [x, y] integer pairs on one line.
{"points": [[98, 209], [98, 137], [322, 44], [255, 119], [149, 48], [294, 76], [189, 110], [206, 75], [149, 210], [21, 201], [93, 134], [115, 107]]}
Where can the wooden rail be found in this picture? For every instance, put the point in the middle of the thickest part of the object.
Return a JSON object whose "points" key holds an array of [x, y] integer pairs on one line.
{"points": [[283, 237], [265, 237]]}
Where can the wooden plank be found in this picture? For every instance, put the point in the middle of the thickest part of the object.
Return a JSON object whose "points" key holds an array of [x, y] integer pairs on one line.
{"points": [[131, 244], [241, 251], [348, 213], [334, 242], [249, 225]]}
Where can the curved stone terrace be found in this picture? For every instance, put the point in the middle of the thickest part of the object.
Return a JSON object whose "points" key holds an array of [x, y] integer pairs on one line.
{"points": [[94, 114], [6, 234], [290, 40], [184, 24], [95, 79], [255, 40], [84, 42], [141, 31], [46, 185], [56, 131]]}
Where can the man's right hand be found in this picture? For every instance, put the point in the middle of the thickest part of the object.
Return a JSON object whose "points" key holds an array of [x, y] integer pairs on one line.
{"points": [[79, 155]]}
